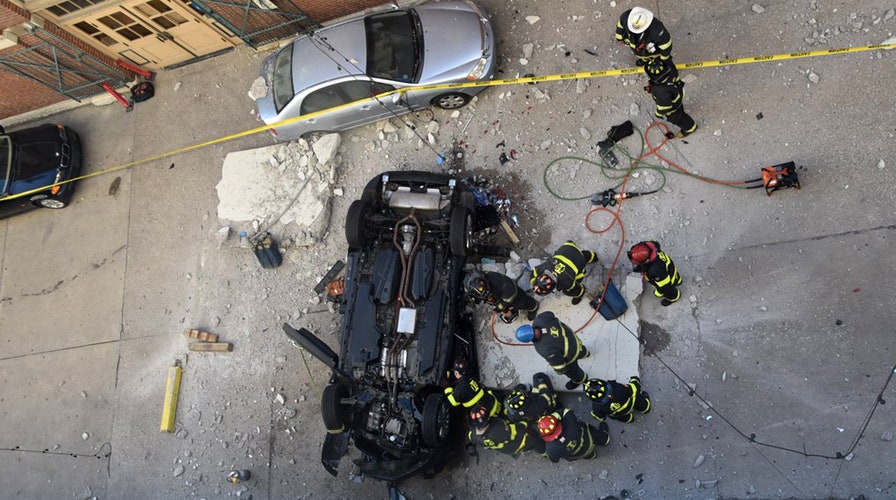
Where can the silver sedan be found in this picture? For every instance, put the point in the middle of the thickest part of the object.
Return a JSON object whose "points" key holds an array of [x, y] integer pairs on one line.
{"points": [[337, 66]]}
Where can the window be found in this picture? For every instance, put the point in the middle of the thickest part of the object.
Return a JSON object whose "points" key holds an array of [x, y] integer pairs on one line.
{"points": [[341, 93], [70, 6]]}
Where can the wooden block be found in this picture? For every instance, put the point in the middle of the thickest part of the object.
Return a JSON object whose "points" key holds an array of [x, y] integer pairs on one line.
{"points": [[172, 390], [200, 335], [507, 229], [211, 346]]}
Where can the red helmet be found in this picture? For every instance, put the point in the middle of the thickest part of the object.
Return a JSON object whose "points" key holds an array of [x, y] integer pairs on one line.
{"points": [[643, 253], [549, 427], [544, 283]]}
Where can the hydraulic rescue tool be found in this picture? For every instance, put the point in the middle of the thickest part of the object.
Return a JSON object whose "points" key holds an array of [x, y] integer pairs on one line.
{"points": [[610, 197]]}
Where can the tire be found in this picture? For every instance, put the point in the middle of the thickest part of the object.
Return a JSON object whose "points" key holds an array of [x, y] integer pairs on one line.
{"points": [[454, 100], [356, 221], [436, 420], [42, 200], [460, 237], [331, 407], [468, 201]]}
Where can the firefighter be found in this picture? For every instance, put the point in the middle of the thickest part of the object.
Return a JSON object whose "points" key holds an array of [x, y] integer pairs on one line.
{"points": [[617, 401], [467, 391], [651, 43], [566, 437], [498, 433], [645, 35], [558, 344], [565, 272], [528, 405], [657, 269], [500, 292], [667, 91]]}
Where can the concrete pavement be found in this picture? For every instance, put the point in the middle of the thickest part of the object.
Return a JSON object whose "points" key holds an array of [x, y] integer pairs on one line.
{"points": [[783, 328]]}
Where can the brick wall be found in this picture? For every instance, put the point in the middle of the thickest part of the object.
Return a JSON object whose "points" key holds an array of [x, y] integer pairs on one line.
{"points": [[325, 10], [10, 15], [18, 95]]}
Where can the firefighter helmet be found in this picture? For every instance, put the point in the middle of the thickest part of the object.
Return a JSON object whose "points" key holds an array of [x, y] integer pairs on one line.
{"points": [[479, 416], [639, 20], [549, 427], [475, 286], [517, 399], [661, 72], [544, 283], [461, 366], [525, 333], [643, 253], [598, 390]]}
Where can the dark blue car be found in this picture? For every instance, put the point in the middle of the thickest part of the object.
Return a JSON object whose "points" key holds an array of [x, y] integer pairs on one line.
{"points": [[403, 326], [35, 158]]}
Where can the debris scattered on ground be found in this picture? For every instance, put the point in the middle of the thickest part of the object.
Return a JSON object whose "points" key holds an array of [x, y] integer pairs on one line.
{"points": [[699, 461]]}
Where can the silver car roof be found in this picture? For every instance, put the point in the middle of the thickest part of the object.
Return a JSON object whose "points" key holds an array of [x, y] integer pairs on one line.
{"points": [[313, 62]]}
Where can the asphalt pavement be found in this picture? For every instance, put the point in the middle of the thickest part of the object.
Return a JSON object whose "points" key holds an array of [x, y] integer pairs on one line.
{"points": [[763, 377]]}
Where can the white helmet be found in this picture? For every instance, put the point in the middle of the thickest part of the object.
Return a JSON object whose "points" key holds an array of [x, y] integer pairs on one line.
{"points": [[639, 19]]}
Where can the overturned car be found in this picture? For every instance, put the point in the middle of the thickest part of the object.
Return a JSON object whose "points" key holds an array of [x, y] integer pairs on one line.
{"points": [[403, 325]]}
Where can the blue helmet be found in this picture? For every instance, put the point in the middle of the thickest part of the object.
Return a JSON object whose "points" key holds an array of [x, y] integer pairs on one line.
{"points": [[525, 333]]}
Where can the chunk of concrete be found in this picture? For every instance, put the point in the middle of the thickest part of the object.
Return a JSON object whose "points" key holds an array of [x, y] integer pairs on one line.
{"points": [[325, 147]]}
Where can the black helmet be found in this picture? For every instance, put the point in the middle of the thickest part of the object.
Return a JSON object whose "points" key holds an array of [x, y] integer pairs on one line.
{"points": [[461, 366], [545, 283], [598, 390], [479, 416], [516, 399], [475, 286], [661, 72]]}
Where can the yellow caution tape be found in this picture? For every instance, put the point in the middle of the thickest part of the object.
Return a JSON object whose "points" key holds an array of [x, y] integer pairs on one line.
{"points": [[490, 83]]}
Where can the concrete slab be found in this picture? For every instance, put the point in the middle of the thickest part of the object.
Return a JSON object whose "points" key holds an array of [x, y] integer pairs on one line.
{"points": [[613, 344], [282, 183]]}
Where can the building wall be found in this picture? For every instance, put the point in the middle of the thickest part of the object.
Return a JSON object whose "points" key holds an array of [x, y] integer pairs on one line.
{"points": [[19, 94], [326, 10]]}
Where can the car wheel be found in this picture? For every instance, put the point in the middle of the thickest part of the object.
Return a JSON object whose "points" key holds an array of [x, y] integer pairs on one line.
{"points": [[331, 407], [356, 221], [460, 237], [451, 101], [468, 201], [45, 201], [436, 420]]}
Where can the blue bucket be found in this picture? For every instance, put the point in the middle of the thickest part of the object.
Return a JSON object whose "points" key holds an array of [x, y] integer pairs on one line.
{"points": [[613, 305]]}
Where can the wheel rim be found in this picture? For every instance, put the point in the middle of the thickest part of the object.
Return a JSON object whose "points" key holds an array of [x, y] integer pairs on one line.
{"points": [[51, 203], [468, 236], [452, 101]]}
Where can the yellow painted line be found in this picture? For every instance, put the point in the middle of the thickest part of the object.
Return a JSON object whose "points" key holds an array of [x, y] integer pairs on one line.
{"points": [[489, 83], [172, 390]]}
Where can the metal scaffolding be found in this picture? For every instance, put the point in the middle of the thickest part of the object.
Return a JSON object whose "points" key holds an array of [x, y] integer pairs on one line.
{"points": [[60, 65], [258, 22]]}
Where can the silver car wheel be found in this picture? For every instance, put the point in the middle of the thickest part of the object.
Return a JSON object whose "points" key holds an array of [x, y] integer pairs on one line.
{"points": [[51, 203], [452, 101]]}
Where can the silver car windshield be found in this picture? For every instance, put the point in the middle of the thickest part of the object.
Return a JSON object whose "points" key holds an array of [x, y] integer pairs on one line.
{"points": [[281, 80], [5, 162], [394, 46]]}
